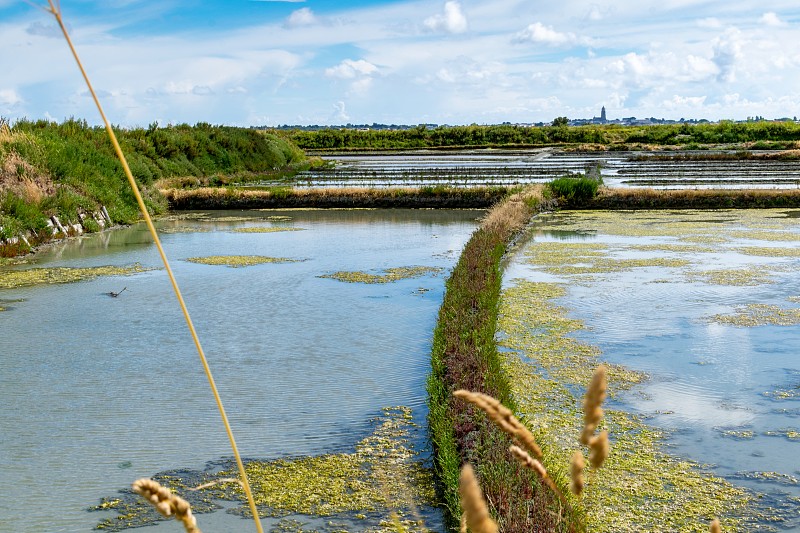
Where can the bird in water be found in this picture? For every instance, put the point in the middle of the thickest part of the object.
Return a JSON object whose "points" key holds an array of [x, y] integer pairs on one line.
{"points": [[115, 294]]}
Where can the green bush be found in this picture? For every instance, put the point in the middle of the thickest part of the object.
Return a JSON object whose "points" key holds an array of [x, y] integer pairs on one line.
{"points": [[574, 188]]}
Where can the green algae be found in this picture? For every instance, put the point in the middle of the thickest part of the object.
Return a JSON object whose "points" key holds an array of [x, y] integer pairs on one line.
{"points": [[184, 229], [751, 276], [738, 434], [238, 261], [787, 433], [12, 279], [381, 485], [640, 487], [769, 251], [267, 229], [389, 274], [753, 315]]}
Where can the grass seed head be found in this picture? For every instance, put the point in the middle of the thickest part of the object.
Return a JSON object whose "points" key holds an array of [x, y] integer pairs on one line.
{"points": [[715, 527], [598, 449], [166, 503], [576, 466], [476, 513]]}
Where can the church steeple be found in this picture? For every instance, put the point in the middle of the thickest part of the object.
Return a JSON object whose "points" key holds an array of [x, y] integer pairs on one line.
{"points": [[603, 114]]}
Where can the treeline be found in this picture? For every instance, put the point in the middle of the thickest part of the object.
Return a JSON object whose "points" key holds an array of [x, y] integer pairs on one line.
{"points": [[64, 169], [772, 135]]}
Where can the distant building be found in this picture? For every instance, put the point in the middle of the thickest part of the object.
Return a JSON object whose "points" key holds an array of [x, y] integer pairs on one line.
{"points": [[603, 115]]}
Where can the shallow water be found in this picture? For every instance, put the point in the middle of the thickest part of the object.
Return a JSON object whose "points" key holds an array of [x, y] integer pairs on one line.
{"points": [[100, 391], [727, 394]]}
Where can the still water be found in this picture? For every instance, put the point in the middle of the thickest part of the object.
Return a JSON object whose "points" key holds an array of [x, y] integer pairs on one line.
{"points": [[99, 391], [726, 391]]}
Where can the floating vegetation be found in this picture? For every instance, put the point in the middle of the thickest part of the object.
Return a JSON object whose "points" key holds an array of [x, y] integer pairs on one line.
{"points": [[12, 279], [738, 434], [382, 476], [641, 487], [278, 218], [267, 229], [238, 261], [783, 394], [778, 236], [769, 251], [672, 248], [389, 274], [575, 259], [753, 315], [13, 261], [751, 276], [184, 229], [788, 433]]}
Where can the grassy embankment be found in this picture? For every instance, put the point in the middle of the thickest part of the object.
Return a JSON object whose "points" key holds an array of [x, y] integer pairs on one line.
{"points": [[464, 356], [755, 135], [69, 169]]}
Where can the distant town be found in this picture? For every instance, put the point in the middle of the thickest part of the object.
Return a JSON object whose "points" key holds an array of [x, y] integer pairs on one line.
{"points": [[602, 119]]}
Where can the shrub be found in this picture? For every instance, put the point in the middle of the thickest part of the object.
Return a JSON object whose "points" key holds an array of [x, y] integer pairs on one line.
{"points": [[574, 188]]}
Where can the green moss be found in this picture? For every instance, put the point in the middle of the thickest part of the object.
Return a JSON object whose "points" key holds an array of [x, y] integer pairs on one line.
{"points": [[238, 261], [389, 275], [12, 279]]}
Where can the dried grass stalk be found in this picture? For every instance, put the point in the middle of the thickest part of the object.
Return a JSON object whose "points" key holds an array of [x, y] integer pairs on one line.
{"points": [[715, 527], [503, 418], [576, 466], [166, 503], [598, 449], [592, 412], [532, 464], [476, 513]]}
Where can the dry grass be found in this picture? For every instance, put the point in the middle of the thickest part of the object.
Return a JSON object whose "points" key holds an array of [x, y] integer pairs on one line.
{"points": [[166, 503], [476, 514]]}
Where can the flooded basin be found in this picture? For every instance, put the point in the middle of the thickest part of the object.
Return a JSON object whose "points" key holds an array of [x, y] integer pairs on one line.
{"points": [[470, 168], [101, 384], [698, 314]]}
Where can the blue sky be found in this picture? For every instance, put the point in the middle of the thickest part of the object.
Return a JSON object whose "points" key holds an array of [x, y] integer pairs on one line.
{"points": [[256, 62]]}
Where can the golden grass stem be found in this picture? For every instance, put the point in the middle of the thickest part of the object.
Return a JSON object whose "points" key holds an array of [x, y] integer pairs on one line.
{"points": [[532, 464], [576, 466], [476, 513], [592, 401], [167, 503], [56, 12], [714, 527], [503, 418]]}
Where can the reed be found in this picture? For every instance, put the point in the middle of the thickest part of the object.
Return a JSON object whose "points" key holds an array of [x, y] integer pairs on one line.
{"points": [[166, 503], [592, 402]]}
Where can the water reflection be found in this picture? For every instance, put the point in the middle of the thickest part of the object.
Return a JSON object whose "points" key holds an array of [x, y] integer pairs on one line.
{"points": [[99, 391]]}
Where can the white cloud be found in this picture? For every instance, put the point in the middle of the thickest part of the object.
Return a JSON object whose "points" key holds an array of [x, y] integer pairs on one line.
{"points": [[727, 53], [349, 69], [9, 98], [771, 19], [710, 22], [340, 113], [684, 102], [452, 20], [539, 33], [302, 17]]}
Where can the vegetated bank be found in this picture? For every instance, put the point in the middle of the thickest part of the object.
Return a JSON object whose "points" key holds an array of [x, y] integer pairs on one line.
{"points": [[464, 356], [761, 135], [443, 197], [70, 171]]}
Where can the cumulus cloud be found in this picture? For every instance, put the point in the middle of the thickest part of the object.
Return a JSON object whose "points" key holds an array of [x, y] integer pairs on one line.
{"points": [[710, 22], [771, 19], [340, 112], [539, 33], [349, 69], [452, 20], [684, 102], [302, 17], [727, 53], [9, 98]]}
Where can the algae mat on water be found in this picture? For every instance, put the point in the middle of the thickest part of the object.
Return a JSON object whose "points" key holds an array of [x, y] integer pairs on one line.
{"points": [[238, 261], [11, 279], [640, 487], [389, 275], [382, 484]]}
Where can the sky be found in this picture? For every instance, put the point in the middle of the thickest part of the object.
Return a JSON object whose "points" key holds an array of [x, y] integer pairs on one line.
{"points": [[332, 62]]}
